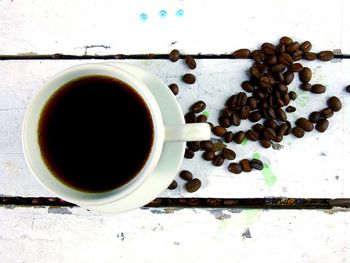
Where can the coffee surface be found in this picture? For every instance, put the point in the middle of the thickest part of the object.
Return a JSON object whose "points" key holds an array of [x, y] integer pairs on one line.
{"points": [[95, 133]]}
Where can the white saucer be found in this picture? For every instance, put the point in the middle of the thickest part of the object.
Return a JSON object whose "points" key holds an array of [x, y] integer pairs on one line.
{"points": [[172, 154]]}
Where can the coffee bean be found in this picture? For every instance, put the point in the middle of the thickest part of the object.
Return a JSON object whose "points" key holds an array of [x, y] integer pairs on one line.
{"points": [[191, 63], [247, 86], [279, 103], [305, 46], [193, 185], [241, 53], [226, 112], [292, 95], [256, 164], [252, 135], [286, 40], [235, 168], [189, 154], [186, 175], [189, 78], [280, 48], [258, 56], [245, 163], [289, 130], [290, 109], [174, 55], [254, 116], [285, 59], [257, 94], [199, 106], [228, 137], [305, 86], [279, 77], [282, 87], [310, 56], [219, 146], [244, 112], [298, 132], [288, 77], [305, 124], [314, 116], [296, 67], [255, 72], [202, 118], [228, 154], [281, 114], [334, 103], [326, 55], [265, 143], [219, 131], [268, 133], [193, 146], [271, 60], [239, 137], [190, 117], [322, 125], [218, 160], [174, 88], [208, 155], [347, 88], [318, 89], [268, 48], [207, 145], [232, 100], [305, 75], [278, 67], [278, 138], [297, 55], [326, 113], [269, 123], [173, 185], [224, 121], [236, 121], [258, 127], [271, 112], [281, 130], [241, 99], [292, 47], [266, 82]]}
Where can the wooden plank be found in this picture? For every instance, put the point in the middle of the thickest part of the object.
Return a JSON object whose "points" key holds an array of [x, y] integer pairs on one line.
{"points": [[112, 27], [313, 167], [174, 235]]}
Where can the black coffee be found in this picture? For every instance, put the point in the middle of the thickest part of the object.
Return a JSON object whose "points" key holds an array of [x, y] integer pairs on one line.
{"points": [[95, 133]]}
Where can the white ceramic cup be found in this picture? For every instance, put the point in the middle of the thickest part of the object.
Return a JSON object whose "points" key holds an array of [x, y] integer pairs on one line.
{"points": [[162, 134]]}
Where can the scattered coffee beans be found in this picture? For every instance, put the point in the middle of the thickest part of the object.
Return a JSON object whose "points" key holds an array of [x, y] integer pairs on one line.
{"points": [[314, 116], [334, 103], [218, 160], [228, 154], [219, 131], [305, 75], [325, 55], [298, 132], [207, 145], [173, 185], [322, 125], [191, 63], [241, 53], [189, 154], [318, 88], [198, 107], [246, 167], [305, 124], [174, 55], [208, 155], [186, 175], [174, 88], [193, 185], [235, 168], [347, 88], [189, 78]]}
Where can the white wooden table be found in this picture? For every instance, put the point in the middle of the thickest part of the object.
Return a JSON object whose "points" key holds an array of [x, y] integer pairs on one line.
{"points": [[31, 32]]}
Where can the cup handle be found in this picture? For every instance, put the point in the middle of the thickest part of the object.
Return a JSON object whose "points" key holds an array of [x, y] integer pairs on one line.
{"points": [[188, 132]]}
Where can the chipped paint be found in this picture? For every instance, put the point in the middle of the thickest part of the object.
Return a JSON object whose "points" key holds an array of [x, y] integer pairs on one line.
{"points": [[59, 210]]}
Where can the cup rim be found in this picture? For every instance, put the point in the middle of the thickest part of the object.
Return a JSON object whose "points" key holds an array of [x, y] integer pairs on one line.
{"points": [[31, 147]]}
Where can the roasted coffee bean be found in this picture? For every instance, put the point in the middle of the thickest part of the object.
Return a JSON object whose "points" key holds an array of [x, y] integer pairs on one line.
{"points": [[252, 103], [282, 87], [271, 112], [258, 127], [281, 114], [285, 97], [266, 82], [258, 56], [305, 124], [186, 175], [173, 185], [285, 59], [263, 113], [228, 137], [245, 165], [235, 168], [279, 102], [326, 113], [202, 118], [193, 146], [318, 89], [290, 109], [207, 145], [268, 45], [347, 88], [256, 164], [269, 123], [219, 131], [297, 55], [310, 56], [241, 53], [298, 132], [279, 77], [247, 86], [278, 67], [255, 72], [280, 48], [226, 112], [263, 104], [219, 146], [292, 47], [292, 95], [268, 133], [228, 154], [208, 155], [193, 185], [252, 135], [174, 55], [235, 120], [271, 60], [334, 103], [305, 75], [241, 99], [286, 40], [254, 116], [305, 86], [265, 143], [191, 63], [314, 116], [239, 137], [198, 107], [211, 125], [231, 100], [190, 117], [322, 125], [224, 121], [305, 46], [189, 78], [278, 138], [261, 67], [189, 154], [258, 94], [289, 130], [326, 55], [244, 112], [218, 160], [288, 77], [174, 88], [281, 130], [296, 67]]}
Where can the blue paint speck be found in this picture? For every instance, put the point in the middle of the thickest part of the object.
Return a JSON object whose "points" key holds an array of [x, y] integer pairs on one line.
{"points": [[143, 17], [180, 13], [163, 13]]}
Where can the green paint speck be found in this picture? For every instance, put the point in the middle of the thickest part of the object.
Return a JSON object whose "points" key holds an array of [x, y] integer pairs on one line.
{"points": [[205, 113], [245, 141], [256, 156], [269, 177]]}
